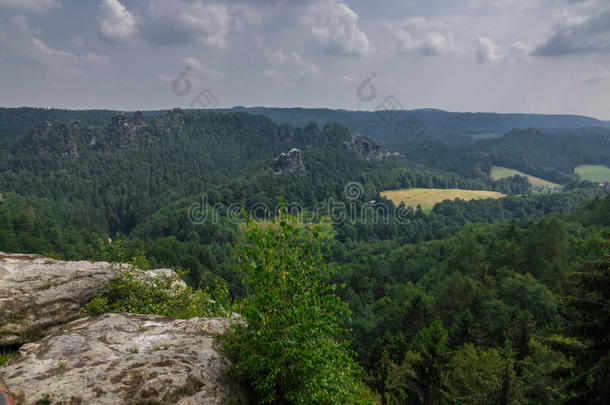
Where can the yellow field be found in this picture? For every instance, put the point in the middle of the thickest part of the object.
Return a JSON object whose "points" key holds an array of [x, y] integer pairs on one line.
{"points": [[498, 172], [427, 197], [598, 173]]}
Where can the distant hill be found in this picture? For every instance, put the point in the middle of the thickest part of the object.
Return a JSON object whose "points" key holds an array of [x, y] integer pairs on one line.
{"points": [[389, 126], [449, 127], [16, 122]]}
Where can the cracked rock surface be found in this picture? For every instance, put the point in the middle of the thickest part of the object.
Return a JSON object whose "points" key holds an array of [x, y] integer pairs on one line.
{"points": [[125, 359], [38, 294]]}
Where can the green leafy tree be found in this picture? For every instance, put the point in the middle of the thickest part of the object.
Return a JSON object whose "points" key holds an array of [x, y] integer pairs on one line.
{"points": [[291, 347]]}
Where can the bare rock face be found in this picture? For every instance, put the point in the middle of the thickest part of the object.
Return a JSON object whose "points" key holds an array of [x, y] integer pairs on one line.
{"points": [[290, 163], [369, 149], [37, 294], [125, 359]]}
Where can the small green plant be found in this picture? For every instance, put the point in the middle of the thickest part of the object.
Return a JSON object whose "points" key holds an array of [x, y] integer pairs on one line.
{"points": [[5, 356], [134, 351], [46, 286], [165, 346], [156, 348], [62, 365], [142, 329]]}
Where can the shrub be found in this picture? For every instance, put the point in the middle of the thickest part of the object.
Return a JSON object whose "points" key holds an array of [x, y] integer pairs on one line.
{"points": [[291, 347], [133, 291]]}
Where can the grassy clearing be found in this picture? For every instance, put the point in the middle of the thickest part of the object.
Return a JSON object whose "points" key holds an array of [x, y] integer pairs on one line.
{"points": [[428, 197], [597, 173], [498, 172]]}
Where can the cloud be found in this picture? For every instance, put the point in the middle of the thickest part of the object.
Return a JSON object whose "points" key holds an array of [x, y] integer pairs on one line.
{"points": [[19, 44], [191, 63], [299, 67], [334, 28], [601, 75], [432, 44], [590, 36], [36, 6], [97, 59], [487, 51], [116, 23], [77, 42], [171, 22], [521, 48]]}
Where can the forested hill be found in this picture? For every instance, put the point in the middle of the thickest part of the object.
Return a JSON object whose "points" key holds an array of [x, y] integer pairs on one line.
{"points": [[390, 127], [133, 166], [16, 122], [448, 126]]}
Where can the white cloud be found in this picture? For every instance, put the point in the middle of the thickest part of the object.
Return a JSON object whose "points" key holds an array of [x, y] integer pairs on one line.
{"points": [[334, 28], [487, 51], [36, 6], [172, 22], [191, 63], [116, 24], [300, 68], [521, 48], [431, 44]]}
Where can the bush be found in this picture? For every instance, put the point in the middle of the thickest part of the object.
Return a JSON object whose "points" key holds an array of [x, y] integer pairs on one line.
{"points": [[291, 347], [133, 291]]}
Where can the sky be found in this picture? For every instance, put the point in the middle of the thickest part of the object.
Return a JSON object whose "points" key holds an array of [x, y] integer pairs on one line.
{"points": [[532, 56]]}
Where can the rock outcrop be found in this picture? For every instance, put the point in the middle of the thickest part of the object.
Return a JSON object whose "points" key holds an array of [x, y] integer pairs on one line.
{"points": [[38, 293], [290, 163], [125, 359], [369, 149], [125, 121]]}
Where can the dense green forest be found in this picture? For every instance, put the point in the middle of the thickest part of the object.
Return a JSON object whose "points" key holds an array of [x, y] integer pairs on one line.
{"points": [[477, 302]]}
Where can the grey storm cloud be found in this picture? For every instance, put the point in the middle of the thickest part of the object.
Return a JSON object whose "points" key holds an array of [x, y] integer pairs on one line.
{"points": [[591, 36]]}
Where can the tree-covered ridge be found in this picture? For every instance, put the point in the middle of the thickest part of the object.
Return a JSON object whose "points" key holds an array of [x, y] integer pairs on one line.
{"points": [[17, 122], [448, 126], [135, 165]]}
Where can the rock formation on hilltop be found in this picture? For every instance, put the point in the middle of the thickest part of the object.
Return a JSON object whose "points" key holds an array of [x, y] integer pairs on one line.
{"points": [[125, 121], [290, 163], [125, 359], [369, 149]]}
